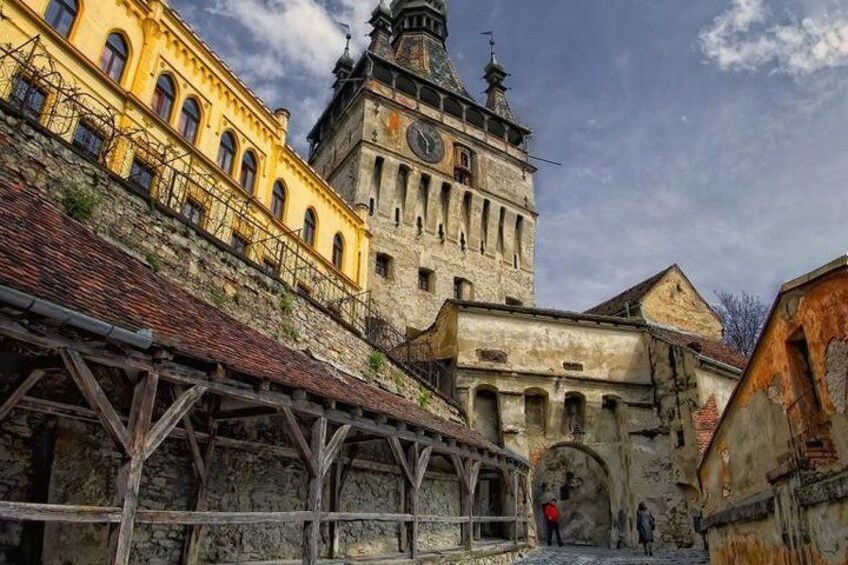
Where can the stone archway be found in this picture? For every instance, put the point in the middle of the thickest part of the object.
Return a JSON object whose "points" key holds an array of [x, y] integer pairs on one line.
{"points": [[579, 480]]}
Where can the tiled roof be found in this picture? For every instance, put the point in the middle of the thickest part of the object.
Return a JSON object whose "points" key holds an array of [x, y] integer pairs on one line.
{"points": [[632, 296], [427, 57], [706, 347], [50, 256]]}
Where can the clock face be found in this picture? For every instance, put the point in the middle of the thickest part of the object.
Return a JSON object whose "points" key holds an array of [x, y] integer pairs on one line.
{"points": [[426, 142]]}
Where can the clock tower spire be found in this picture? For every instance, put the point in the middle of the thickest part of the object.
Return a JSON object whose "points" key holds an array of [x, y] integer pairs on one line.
{"points": [[444, 179]]}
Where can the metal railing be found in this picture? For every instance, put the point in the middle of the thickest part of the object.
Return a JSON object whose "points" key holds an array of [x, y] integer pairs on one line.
{"points": [[171, 174]]}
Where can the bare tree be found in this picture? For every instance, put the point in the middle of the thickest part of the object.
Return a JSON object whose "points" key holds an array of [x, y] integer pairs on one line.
{"points": [[743, 316]]}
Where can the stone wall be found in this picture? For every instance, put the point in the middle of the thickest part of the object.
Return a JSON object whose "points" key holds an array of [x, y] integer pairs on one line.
{"points": [[674, 302], [200, 264]]}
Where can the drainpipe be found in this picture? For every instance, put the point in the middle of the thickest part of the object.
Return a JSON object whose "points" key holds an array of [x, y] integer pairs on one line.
{"points": [[142, 339]]}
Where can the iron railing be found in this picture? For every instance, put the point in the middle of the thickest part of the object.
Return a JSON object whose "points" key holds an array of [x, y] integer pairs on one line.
{"points": [[170, 174]]}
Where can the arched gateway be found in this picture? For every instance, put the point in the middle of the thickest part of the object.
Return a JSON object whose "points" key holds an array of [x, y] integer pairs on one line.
{"points": [[578, 479]]}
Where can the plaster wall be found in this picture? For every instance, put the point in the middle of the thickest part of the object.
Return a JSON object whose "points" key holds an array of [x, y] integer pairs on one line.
{"points": [[674, 302]]}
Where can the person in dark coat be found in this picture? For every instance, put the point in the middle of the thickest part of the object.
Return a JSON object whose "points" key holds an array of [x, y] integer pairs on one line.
{"points": [[645, 525], [551, 513]]}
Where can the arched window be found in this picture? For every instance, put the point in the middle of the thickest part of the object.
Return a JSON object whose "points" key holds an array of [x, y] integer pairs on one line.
{"points": [[338, 252], [310, 224], [61, 15], [535, 402], [163, 97], [248, 171], [278, 200], [227, 152], [190, 120], [114, 57]]}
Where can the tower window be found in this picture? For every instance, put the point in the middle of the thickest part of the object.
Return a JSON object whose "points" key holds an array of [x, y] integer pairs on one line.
{"points": [[484, 238], [376, 186], [462, 168], [114, 56], [425, 280], [163, 97], [61, 15], [383, 266]]}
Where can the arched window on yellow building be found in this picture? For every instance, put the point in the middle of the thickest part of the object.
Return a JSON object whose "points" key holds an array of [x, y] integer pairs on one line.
{"points": [[310, 226], [227, 152], [190, 120], [116, 52], [61, 15], [164, 97], [248, 171], [338, 252], [278, 201]]}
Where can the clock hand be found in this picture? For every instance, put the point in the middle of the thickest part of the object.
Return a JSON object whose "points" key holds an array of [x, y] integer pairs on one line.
{"points": [[425, 141]]}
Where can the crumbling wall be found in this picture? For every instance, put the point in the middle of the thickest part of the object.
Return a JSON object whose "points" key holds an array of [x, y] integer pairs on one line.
{"points": [[201, 265]]}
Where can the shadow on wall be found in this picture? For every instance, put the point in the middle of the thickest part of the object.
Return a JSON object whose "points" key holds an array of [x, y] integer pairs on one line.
{"points": [[579, 481]]}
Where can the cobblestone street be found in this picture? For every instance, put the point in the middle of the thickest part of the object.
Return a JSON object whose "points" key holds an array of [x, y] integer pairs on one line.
{"points": [[599, 556]]}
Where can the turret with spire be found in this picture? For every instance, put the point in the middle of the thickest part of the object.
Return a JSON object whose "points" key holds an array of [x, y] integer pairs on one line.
{"points": [[344, 66], [381, 32], [495, 76]]}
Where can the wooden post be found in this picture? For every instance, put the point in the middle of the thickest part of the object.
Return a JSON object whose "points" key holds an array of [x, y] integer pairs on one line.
{"points": [[194, 535], [312, 529], [468, 472], [516, 505], [413, 467], [120, 543]]}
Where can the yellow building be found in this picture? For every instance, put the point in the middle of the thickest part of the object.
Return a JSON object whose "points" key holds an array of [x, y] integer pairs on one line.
{"points": [[128, 83]]}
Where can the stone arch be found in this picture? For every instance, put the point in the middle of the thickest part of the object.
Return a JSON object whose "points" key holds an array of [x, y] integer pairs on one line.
{"points": [[579, 479]]}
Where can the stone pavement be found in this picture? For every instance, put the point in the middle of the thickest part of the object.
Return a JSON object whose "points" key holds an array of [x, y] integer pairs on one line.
{"points": [[598, 556]]}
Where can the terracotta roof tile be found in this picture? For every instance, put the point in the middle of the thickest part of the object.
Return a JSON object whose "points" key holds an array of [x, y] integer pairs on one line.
{"points": [[48, 255], [632, 296], [711, 348]]}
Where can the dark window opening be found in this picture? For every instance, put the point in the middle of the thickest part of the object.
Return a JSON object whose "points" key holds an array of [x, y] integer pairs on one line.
{"points": [[278, 201], [574, 416], [88, 140], [383, 265], [249, 167], [513, 302], [227, 152], [142, 175], [463, 166], [28, 98], [270, 267], [425, 280], [310, 224], [804, 376], [681, 438], [534, 413], [338, 252], [189, 125], [397, 216], [463, 289]]}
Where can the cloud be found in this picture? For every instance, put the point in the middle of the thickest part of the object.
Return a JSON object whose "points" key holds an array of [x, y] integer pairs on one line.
{"points": [[746, 37], [294, 36]]}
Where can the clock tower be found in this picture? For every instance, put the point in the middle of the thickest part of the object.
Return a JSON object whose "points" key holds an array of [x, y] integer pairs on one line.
{"points": [[443, 178]]}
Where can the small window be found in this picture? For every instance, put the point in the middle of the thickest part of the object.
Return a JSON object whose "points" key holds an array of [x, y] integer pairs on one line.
{"points": [[425, 280], [534, 413], [338, 252], [61, 15], [164, 97], [513, 302], [27, 97], [383, 266], [227, 152], [310, 225], [88, 140], [801, 365], [240, 244], [270, 267], [142, 175], [194, 212], [114, 57], [278, 201], [462, 289], [190, 120], [248, 172]]}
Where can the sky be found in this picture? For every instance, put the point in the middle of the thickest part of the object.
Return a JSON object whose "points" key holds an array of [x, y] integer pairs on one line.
{"points": [[710, 133]]}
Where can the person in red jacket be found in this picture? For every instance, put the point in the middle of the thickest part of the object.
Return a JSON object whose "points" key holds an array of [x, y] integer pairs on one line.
{"points": [[552, 518]]}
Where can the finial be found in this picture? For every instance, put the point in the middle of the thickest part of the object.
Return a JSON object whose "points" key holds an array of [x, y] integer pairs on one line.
{"points": [[493, 56]]}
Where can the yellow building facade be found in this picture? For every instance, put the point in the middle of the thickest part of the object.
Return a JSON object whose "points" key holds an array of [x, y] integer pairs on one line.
{"points": [[130, 84]]}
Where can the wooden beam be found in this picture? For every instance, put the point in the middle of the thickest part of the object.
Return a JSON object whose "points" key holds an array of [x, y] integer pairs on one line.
{"points": [[32, 512], [129, 482], [194, 535], [312, 530], [400, 458], [169, 420], [32, 379], [96, 398], [292, 429], [333, 448]]}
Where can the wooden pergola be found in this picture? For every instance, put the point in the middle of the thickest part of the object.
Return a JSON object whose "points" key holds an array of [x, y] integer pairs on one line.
{"points": [[320, 433]]}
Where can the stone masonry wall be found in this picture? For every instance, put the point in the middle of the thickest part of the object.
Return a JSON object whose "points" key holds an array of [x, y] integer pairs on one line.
{"points": [[201, 265]]}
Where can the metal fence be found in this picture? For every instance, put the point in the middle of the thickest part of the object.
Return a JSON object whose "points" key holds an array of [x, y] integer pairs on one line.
{"points": [[171, 175]]}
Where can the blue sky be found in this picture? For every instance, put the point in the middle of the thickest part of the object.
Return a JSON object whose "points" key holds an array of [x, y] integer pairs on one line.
{"points": [[708, 133]]}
